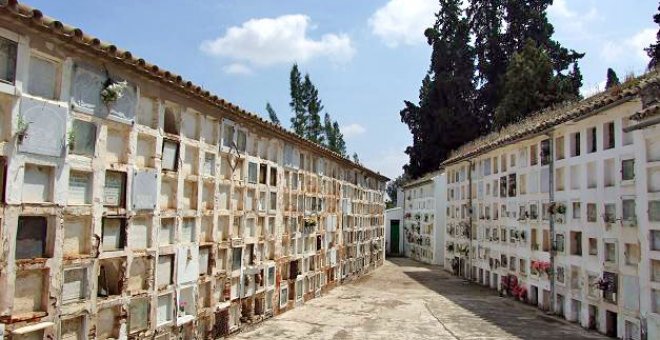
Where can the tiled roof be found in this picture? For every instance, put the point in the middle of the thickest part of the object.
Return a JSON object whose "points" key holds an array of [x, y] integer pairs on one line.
{"points": [[556, 115], [74, 36]]}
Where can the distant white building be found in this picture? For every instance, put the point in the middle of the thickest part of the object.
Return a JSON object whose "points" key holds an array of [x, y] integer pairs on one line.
{"points": [[424, 217]]}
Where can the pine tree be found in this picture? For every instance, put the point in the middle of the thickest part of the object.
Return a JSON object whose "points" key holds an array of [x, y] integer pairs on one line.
{"points": [[339, 137], [445, 117], [313, 128], [653, 50], [612, 79], [356, 159], [272, 114], [528, 85], [297, 104]]}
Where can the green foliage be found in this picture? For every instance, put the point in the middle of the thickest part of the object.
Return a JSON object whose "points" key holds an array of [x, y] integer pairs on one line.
{"points": [[341, 144], [272, 114], [653, 50], [393, 187], [356, 158], [445, 117], [297, 104], [612, 79], [527, 83], [313, 128]]}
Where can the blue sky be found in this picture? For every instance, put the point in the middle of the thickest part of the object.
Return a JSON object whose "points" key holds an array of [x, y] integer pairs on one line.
{"points": [[365, 56]]}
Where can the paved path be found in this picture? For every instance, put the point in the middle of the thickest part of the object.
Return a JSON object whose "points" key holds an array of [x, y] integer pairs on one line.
{"points": [[407, 300]]}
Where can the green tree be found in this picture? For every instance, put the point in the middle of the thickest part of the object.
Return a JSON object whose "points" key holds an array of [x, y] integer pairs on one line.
{"points": [[393, 186], [486, 22], [297, 104], [356, 158], [528, 85], [329, 133], [653, 50], [445, 117], [339, 137], [272, 114], [313, 128], [612, 79]]}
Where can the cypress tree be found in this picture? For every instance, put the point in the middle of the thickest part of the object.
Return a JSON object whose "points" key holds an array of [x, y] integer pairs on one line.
{"points": [[272, 114], [445, 117], [612, 79], [313, 128], [356, 159], [486, 21], [339, 139], [653, 50], [329, 132], [297, 104]]}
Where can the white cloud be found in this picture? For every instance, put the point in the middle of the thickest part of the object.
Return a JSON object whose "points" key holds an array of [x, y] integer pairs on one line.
{"points": [[352, 130], [237, 69], [560, 9], [402, 22], [642, 40], [388, 162], [616, 50], [270, 41]]}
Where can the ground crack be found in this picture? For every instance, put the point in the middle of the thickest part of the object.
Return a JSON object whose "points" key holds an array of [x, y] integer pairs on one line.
{"points": [[440, 322]]}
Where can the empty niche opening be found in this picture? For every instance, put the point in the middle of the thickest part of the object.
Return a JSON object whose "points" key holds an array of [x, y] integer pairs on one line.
{"points": [[145, 151], [77, 236], [139, 237], [165, 270], [80, 188], [208, 196], [263, 172], [108, 323], [273, 176], [250, 200], [223, 228], [116, 146], [82, 138], [73, 328], [37, 183], [138, 278], [114, 190], [164, 310], [170, 155], [138, 315], [223, 197], [190, 195], [653, 179], [209, 164], [221, 262], [33, 239], [113, 233], [148, 112], [75, 286], [189, 123], [205, 294], [206, 234], [188, 230], [190, 160], [166, 233], [204, 263], [209, 131], [171, 121], [168, 194], [111, 277], [237, 227], [237, 199], [31, 292], [608, 175]]}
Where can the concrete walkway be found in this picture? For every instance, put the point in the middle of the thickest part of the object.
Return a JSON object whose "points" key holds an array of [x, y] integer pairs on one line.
{"points": [[408, 300]]}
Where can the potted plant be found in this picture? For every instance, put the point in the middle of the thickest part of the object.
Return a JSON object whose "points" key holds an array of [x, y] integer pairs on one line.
{"points": [[112, 91], [70, 140], [182, 308], [21, 128]]}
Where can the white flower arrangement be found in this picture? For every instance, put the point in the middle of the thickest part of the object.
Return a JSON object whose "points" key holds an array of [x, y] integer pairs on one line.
{"points": [[113, 91]]}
